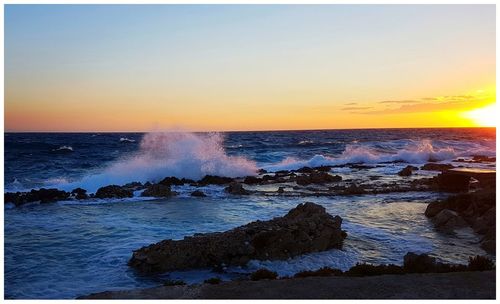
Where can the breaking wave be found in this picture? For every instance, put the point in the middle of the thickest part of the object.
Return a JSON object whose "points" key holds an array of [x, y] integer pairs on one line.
{"points": [[184, 155], [415, 153]]}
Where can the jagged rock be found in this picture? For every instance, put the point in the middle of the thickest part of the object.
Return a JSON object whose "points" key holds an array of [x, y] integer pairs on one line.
{"points": [[354, 189], [448, 219], [281, 190], [113, 191], [198, 193], [436, 167], [419, 263], [172, 180], [42, 195], [80, 193], [215, 180], [133, 186], [483, 158], [317, 178], [306, 228], [407, 171], [158, 190], [434, 208], [236, 188]]}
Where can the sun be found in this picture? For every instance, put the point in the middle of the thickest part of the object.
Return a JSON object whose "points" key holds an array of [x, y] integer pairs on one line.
{"points": [[484, 117]]}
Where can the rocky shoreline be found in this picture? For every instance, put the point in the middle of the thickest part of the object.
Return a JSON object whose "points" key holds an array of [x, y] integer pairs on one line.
{"points": [[304, 182]]}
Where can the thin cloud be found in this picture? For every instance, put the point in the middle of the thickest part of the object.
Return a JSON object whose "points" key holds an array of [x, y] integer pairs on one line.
{"points": [[399, 101], [355, 108], [351, 104]]}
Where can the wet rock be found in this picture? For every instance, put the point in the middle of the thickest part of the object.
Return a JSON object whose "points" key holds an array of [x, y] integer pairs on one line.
{"points": [[434, 208], [236, 188], [305, 170], [354, 189], [317, 178], [262, 171], [407, 171], [134, 186], [198, 193], [80, 193], [158, 190], [252, 180], [436, 167], [171, 180], [42, 195], [306, 228], [215, 180], [451, 182], [113, 191], [281, 190], [483, 158], [448, 219]]}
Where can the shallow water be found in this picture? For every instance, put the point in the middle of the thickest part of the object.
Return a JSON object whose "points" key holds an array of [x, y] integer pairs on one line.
{"points": [[64, 250]]}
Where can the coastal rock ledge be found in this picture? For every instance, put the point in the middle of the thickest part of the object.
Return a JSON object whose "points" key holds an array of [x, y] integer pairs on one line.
{"points": [[305, 228]]}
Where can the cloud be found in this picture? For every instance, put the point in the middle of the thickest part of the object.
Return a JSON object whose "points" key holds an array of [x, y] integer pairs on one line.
{"points": [[399, 101], [355, 108], [351, 103]]}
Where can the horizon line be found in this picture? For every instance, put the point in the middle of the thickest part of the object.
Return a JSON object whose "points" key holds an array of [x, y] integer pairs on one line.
{"points": [[273, 130]]}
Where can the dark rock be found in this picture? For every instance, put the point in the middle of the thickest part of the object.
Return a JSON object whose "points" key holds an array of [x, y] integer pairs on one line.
{"points": [[306, 228], [483, 158], [436, 167], [317, 178], [158, 190], [113, 191], [354, 189], [252, 180], [434, 208], [263, 274], [322, 272], [418, 263], [281, 190], [215, 180], [262, 171], [324, 168], [448, 219], [134, 186], [80, 193], [42, 195], [305, 170], [407, 171], [236, 188], [171, 180], [450, 182], [198, 193]]}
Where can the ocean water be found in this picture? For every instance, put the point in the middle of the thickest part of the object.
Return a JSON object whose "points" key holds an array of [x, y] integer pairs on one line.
{"points": [[72, 248]]}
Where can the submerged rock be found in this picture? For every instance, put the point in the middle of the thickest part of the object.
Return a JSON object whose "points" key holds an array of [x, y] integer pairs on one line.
{"points": [[407, 171], [158, 190], [317, 177], [236, 188], [306, 228], [113, 191], [198, 193], [215, 180]]}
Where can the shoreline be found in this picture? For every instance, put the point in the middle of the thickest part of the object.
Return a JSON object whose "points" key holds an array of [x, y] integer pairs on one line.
{"points": [[456, 285]]}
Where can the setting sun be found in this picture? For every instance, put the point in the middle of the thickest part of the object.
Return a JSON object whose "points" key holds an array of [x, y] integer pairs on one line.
{"points": [[484, 117]]}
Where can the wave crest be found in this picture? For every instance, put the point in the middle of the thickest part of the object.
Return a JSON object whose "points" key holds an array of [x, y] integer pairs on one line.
{"points": [[162, 154]]}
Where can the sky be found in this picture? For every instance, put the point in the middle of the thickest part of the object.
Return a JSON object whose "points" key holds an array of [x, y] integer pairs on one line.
{"points": [[248, 67]]}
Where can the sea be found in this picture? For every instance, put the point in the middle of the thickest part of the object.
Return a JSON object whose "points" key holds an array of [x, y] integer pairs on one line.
{"points": [[72, 248]]}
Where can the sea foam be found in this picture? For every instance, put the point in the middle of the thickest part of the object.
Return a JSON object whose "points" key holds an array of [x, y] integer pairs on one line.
{"points": [[162, 154]]}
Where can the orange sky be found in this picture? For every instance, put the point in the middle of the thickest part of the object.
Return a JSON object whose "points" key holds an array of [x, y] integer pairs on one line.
{"points": [[70, 68]]}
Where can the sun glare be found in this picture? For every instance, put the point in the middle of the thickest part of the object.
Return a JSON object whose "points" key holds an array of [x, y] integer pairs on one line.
{"points": [[484, 117]]}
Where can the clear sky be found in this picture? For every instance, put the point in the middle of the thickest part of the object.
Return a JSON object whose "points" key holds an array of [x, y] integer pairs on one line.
{"points": [[247, 67]]}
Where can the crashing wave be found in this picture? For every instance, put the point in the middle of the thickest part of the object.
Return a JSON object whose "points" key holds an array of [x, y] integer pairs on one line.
{"points": [[184, 155], [416, 153]]}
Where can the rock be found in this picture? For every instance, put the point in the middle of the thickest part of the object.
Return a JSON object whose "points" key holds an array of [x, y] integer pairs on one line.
{"points": [[171, 180], [215, 180], [42, 195], [483, 158], [434, 208], [133, 186], [113, 191], [80, 193], [436, 167], [281, 190], [262, 171], [158, 190], [407, 171], [450, 182], [236, 188], [448, 219], [198, 193], [353, 189], [317, 178], [306, 228], [252, 180], [418, 263], [305, 170], [484, 222]]}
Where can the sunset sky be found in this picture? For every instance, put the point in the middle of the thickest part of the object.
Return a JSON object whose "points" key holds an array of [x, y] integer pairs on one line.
{"points": [[248, 67]]}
